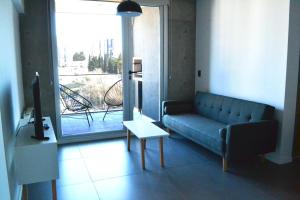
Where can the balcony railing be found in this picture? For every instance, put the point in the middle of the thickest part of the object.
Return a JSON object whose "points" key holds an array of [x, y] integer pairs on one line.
{"points": [[91, 86]]}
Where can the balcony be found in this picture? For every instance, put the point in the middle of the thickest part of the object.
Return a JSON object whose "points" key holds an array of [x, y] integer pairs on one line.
{"points": [[93, 87]]}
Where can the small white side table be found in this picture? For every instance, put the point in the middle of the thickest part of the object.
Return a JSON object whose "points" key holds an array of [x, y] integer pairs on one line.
{"points": [[36, 161], [144, 130]]}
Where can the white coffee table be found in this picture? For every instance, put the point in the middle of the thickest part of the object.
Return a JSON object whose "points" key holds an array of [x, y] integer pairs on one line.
{"points": [[144, 130]]}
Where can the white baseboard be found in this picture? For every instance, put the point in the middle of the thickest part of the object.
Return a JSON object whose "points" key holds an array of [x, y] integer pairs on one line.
{"points": [[279, 159], [92, 137]]}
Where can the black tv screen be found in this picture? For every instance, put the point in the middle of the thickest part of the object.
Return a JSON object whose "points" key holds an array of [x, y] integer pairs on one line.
{"points": [[37, 111]]}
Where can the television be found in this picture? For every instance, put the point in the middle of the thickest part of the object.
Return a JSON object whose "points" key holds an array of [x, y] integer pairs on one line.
{"points": [[37, 110]]}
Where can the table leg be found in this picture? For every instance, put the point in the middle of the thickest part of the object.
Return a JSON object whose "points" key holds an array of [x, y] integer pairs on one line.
{"points": [[143, 153], [145, 142], [128, 140], [54, 193], [161, 145]]}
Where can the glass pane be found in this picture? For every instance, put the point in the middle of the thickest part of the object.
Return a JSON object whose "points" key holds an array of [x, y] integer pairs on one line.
{"points": [[89, 41]]}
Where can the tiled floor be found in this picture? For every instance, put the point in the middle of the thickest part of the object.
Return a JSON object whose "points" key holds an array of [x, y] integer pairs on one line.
{"points": [[105, 170]]}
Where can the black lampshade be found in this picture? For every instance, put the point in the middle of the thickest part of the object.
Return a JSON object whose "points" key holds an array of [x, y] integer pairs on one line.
{"points": [[129, 8]]}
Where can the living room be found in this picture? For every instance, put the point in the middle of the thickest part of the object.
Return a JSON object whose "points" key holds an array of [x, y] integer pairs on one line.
{"points": [[247, 50]]}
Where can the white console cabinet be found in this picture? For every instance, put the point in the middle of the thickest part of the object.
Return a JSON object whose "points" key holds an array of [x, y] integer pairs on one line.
{"points": [[36, 161]]}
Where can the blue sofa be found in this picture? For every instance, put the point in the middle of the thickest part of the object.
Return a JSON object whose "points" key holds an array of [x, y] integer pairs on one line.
{"points": [[230, 127]]}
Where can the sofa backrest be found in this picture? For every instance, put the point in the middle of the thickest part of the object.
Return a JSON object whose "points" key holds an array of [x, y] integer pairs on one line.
{"points": [[231, 110]]}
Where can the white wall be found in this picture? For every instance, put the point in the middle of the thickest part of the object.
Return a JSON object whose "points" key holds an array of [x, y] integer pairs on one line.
{"points": [[4, 185], [11, 87], [242, 52]]}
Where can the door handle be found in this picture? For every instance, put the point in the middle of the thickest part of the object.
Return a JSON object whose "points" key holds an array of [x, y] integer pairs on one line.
{"points": [[132, 72]]}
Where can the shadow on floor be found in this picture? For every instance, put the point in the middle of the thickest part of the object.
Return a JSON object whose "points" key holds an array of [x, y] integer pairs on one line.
{"points": [[106, 170]]}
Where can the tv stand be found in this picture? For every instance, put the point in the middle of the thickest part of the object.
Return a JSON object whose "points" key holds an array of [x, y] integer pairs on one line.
{"points": [[36, 160], [41, 139], [32, 122]]}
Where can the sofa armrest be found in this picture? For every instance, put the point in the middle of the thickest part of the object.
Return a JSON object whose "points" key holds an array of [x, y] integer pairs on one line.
{"points": [[249, 139], [176, 107]]}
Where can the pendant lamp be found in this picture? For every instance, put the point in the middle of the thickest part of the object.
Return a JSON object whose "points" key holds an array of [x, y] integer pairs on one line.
{"points": [[129, 8]]}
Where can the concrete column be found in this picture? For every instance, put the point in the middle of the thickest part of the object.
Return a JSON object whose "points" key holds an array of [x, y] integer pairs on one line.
{"points": [[37, 54]]}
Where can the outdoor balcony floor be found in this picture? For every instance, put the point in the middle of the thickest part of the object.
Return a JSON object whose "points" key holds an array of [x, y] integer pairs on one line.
{"points": [[77, 124]]}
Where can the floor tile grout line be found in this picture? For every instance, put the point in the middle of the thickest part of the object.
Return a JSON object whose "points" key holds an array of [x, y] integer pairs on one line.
{"points": [[95, 188], [84, 158], [90, 177], [62, 185], [115, 177], [176, 186], [72, 184], [85, 165], [141, 172], [78, 184], [175, 175], [88, 157]]}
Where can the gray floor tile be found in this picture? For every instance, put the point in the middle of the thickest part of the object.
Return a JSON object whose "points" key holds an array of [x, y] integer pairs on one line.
{"points": [[94, 149], [142, 186], [72, 172], [176, 153], [210, 182], [84, 191], [67, 152], [112, 165], [191, 172]]}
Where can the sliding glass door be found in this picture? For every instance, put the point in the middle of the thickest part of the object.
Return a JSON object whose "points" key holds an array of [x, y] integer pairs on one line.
{"points": [[98, 84], [89, 46]]}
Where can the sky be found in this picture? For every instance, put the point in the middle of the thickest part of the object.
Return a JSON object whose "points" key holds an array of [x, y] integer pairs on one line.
{"points": [[80, 25]]}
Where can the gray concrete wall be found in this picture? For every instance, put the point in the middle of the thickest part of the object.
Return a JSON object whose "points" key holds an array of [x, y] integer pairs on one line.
{"points": [[182, 36], [36, 54], [285, 146], [294, 60]]}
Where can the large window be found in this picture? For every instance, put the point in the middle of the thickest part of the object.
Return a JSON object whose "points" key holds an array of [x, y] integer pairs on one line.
{"points": [[89, 46]]}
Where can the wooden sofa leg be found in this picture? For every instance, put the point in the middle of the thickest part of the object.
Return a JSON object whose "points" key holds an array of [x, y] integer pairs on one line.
{"points": [[225, 165], [262, 158], [169, 131]]}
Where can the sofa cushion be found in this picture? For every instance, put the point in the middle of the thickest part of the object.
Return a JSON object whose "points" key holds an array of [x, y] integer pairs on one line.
{"points": [[231, 110], [199, 129]]}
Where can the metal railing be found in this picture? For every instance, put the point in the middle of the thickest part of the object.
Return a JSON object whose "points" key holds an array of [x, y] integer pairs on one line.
{"points": [[88, 74], [91, 86]]}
